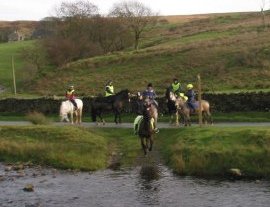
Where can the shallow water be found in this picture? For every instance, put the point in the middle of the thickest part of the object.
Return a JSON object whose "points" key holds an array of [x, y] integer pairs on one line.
{"points": [[140, 186]]}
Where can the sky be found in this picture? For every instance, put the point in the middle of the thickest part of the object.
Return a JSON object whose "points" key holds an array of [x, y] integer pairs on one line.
{"points": [[12, 10]]}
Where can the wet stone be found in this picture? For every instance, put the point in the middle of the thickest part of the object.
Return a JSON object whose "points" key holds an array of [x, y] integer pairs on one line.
{"points": [[28, 188]]}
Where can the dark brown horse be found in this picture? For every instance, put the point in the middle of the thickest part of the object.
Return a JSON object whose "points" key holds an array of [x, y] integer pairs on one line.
{"points": [[114, 103], [146, 128]]}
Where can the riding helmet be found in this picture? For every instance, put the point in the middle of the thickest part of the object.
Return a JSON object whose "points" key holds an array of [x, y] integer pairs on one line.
{"points": [[189, 86]]}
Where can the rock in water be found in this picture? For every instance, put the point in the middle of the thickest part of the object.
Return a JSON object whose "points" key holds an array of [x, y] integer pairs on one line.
{"points": [[235, 172], [29, 188]]}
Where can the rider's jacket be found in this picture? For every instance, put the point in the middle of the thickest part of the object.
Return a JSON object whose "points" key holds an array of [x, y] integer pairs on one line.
{"points": [[150, 94], [109, 90], [70, 94], [191, 95], [176, 87]]}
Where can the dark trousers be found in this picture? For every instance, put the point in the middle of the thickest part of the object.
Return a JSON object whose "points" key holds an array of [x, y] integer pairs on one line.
{"points": [[74, 103]]}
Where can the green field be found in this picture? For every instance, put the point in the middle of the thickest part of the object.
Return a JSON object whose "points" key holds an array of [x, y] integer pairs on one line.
{"points": [[210, 151], [7, 50], [218, 47]]}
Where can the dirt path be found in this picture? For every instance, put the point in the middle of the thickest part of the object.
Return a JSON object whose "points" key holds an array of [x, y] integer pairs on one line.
{"points": [[161, 125]]}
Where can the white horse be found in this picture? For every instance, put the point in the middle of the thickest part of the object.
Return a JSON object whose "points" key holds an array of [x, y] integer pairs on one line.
{"points": [[68, 108]]}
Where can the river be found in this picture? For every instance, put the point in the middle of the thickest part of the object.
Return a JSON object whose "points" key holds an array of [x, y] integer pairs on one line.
{"points": [[139, 186]]}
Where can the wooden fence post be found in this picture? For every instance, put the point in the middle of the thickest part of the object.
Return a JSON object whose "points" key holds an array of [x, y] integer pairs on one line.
{"points": [[200, 99], [13, 75]]}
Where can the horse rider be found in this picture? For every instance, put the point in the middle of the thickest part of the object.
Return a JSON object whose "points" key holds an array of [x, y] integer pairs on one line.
{"points": [[109, 89], [70, 95], [139, 112], [175, 87], [139, 104], [191, 97], [151, 94]]}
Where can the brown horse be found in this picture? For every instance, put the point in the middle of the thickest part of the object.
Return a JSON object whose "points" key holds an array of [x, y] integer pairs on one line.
{"points": [[146, 128], [184, 110], [114, 103]]}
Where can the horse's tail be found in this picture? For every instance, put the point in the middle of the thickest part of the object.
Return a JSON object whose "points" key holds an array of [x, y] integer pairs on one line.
{"points": [[93, 113]]}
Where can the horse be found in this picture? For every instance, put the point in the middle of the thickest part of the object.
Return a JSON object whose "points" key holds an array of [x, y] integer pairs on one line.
{"points": [[171, 107], [113, 103], [146, 128], [184, 110], [68, 108]]}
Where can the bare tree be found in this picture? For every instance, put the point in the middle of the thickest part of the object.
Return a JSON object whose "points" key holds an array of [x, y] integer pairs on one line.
{"points": [[73, 35], [262, 12], [79, 9], [136, 16]]}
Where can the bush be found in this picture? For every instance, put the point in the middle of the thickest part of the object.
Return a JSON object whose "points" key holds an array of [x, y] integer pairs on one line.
{"points": [[37, 118]]}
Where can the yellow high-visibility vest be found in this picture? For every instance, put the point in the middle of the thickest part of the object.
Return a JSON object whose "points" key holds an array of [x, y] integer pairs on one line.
{"points": [[111, 89]]}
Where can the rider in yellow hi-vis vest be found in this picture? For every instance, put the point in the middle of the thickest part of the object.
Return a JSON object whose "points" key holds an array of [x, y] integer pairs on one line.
{"points": [[175, 87], [109, 89]]}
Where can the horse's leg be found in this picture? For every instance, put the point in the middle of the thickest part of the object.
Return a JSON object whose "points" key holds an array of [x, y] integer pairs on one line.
{"points": [[80, 116], [171, 118], [151, 143], [143, 146], [71, 117], [204, 117], [209, 116], [177, 118]]}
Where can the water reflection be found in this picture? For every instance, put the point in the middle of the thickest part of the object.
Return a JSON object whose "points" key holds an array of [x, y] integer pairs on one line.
{"points": [[150, 184]]}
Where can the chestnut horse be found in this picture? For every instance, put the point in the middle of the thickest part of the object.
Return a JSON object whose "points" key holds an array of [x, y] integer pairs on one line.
{"points": [[184, 110]]}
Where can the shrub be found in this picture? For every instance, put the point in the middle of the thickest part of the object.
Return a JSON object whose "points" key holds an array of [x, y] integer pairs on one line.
{"points": [[37, 118]]}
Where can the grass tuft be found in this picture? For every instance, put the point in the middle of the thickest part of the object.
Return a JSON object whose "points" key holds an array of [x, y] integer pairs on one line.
{"points": [[37, 118]]}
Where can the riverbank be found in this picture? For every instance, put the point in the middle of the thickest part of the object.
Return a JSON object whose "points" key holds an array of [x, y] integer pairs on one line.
{"points": [[216, 151], [209, 151]]}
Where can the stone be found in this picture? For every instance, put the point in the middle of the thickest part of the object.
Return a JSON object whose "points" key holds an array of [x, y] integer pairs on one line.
{"points": [[29, 188]]}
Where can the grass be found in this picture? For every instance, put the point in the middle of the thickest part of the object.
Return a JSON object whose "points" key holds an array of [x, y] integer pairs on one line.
{"points": [[209, 151], [65, 147], [217, 116], [37, 118], [7, 50], [216, 46], [214, 151]]}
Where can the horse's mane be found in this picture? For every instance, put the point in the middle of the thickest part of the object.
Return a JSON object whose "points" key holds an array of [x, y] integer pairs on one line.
{"points": [[167, 93], [123, 93]]}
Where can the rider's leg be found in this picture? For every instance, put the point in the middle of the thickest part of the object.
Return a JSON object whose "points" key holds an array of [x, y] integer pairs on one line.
{"points": [[74, 103]]}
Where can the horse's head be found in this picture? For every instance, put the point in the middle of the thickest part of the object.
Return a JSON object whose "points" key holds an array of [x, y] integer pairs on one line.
{"points": [[179, 102], [124, 94], [63, 112], [172, 96]]}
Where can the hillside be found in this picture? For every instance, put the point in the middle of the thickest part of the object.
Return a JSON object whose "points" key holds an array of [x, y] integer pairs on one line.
{"points": [[230, 51]]}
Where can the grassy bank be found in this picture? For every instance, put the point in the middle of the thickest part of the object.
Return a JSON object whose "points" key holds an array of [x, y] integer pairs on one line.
{"points": [[218, 117], [214, 151], [68, 147], [210, 151], [65, 147]]}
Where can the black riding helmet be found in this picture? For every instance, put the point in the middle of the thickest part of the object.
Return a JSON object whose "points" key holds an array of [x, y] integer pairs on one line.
{"points": [[175, 80]]}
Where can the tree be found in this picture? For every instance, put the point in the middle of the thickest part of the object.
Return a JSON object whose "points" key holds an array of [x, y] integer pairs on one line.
{"points": [[262, 12], [136, 16], [72, 36], [112, 35]]}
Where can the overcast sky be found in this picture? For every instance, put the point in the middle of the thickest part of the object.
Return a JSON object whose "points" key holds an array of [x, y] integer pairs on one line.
{"points": [[38, 9]]}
